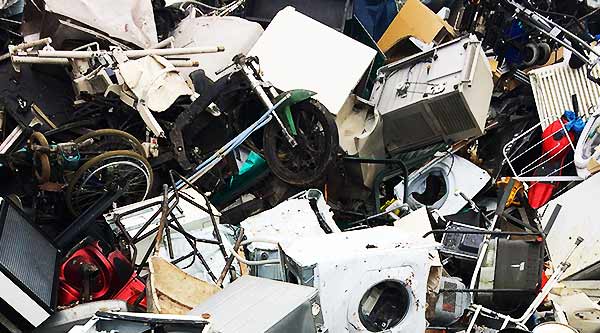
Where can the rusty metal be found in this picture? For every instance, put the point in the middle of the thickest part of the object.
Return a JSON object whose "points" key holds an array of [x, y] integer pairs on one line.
{"points": [[229, 262]]}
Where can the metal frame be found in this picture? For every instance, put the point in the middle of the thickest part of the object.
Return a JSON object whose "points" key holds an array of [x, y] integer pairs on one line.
{"points": [[545, 158], [170, 203]]}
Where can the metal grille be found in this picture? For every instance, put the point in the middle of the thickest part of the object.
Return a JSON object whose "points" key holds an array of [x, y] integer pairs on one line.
{"points": [[553, 87], [27, 255], [449, 112]]}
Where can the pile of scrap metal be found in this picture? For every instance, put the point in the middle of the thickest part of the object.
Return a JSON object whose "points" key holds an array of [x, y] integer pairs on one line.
{"points": [[299, 166]]}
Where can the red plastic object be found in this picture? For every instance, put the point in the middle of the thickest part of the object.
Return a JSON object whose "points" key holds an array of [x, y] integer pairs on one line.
{"points": [[112, 273], [554, 141], [132, 291], [540, 194], [555, 146]]}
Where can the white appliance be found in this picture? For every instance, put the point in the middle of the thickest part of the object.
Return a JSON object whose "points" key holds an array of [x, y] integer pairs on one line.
{"points": [[576, 217], [369, 280], [439, 95], [292, 219], [452, 174], [252, 304]]}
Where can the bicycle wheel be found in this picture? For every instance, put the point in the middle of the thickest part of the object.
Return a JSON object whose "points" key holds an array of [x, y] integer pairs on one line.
{"points": [[104, 140], [120, 168], [317, 138]]}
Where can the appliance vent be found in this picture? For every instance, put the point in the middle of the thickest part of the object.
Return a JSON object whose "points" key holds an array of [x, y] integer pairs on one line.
{"points": [[553, 87], [452, 113]]}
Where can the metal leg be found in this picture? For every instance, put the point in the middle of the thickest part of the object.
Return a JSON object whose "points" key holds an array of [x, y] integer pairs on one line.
{"points": [[475, 315]]}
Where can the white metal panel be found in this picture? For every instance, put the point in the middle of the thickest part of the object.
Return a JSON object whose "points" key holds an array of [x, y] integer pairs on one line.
{"points": [[553, 87], [20, 302], [290, 220], [298, 52], [577, 217]]}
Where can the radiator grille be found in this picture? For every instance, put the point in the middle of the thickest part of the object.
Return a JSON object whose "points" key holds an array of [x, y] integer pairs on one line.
{"points": [[553, 87], [27, 255]]}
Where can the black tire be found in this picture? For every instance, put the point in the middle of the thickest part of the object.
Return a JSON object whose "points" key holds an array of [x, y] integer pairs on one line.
{"points": [[317, 137], [545, 53]]}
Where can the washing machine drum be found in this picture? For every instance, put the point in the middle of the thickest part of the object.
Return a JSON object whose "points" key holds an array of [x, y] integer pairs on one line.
{"points": [[383, 306], [431, 188], [436, 187], [387, 301]]}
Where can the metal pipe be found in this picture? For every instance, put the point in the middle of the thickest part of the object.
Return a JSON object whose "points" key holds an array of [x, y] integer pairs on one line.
{"points": [[478, 232], [18, 60], [65, 61], [27, 45], [486, 291], [131, 54], [162, 225], [164, 43]]}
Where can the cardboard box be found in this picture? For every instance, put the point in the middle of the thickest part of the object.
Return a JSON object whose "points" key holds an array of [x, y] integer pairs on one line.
{"points": [[414, 20]]}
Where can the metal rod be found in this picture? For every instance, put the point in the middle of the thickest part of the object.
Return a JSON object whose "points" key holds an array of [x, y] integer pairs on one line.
{"points": [[19, 60], [486, 291], [481, 232], [230, 259], [28, 45], [163, 220], [164, 43], [131, 54]]}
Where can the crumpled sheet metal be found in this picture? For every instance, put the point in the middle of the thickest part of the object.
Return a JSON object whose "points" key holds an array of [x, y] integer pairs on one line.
{"points": [[128, 20]]}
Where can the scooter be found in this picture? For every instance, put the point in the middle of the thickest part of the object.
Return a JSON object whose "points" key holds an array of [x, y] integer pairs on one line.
{"points": [[299, 139]]}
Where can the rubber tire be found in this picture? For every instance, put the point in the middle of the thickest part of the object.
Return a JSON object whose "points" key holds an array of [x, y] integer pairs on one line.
{"points": [[130, 139], [95, 161], [535, 54], [545, 53], [271, 132], [43, 159]]}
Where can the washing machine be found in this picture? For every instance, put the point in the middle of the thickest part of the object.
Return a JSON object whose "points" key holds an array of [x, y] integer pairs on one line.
{"points": [[436, 187], [370, 280]]}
